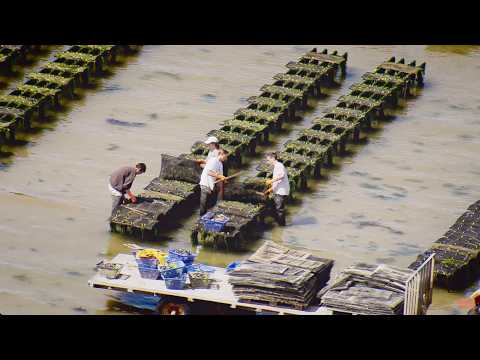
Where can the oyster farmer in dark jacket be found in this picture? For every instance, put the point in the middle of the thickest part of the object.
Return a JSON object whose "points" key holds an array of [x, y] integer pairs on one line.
{"points": [[121, 181]]}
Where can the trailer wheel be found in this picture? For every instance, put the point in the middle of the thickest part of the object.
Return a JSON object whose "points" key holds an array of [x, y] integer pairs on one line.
{"points": [[172, 306]]}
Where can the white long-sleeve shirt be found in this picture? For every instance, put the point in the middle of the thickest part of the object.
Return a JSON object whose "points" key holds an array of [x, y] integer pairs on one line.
{"points": [[212, 164], [281, 187], [212, 153]]}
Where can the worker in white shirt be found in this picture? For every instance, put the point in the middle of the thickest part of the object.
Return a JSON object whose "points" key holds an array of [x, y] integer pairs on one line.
{"points": [[214, 148], [279, 186], [212, 181]]}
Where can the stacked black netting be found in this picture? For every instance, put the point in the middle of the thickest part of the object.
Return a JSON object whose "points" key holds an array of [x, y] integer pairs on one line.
{"points": [[278, 275], [368, 290]]}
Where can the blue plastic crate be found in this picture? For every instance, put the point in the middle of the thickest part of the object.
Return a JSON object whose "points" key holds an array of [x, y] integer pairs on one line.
{"points": [[150, 262], [187, 259], [208, 215], [213, 225], [200, 267], [175, 272], [149, 273], [176, 282]]}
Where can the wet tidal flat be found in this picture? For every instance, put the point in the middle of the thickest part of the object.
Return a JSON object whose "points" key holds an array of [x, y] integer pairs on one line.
{"points": [[386, 201]]}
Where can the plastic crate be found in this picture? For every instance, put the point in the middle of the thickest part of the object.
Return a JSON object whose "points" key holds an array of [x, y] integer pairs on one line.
{"points": [[175, 272], [199, 283], [213, 225], [200, 267], [149, 273], [109, 270], [149, 262], [187, 259], [176, 282]]}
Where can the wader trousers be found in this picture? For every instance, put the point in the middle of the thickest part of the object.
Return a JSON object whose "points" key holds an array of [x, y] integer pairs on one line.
{"points": [[279, 201], [208, 198], [116, 202]]}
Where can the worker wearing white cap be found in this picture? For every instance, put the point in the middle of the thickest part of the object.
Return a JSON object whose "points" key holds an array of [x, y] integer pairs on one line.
{"points": [[212, 181], [214, 148]]}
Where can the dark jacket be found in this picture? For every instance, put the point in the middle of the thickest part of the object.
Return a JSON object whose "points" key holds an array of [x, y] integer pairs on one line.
{"points": [[122, 179]]}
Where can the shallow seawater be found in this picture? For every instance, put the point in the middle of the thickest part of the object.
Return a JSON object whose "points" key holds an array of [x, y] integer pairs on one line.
{"points": [[385, 202]]}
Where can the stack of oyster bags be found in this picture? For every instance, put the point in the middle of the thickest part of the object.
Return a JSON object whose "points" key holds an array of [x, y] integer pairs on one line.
{"points": [[278, 275], [368, 290]]}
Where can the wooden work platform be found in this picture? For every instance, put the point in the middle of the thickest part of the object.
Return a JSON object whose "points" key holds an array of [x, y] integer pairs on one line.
{"points": [[221, 291]]}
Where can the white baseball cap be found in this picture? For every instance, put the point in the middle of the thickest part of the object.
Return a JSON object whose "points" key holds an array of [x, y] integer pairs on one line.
{"points": [[211, 139]]}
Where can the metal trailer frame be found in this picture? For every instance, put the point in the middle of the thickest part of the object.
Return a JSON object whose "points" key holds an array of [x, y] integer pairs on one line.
{"points": [[419, 288]]}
